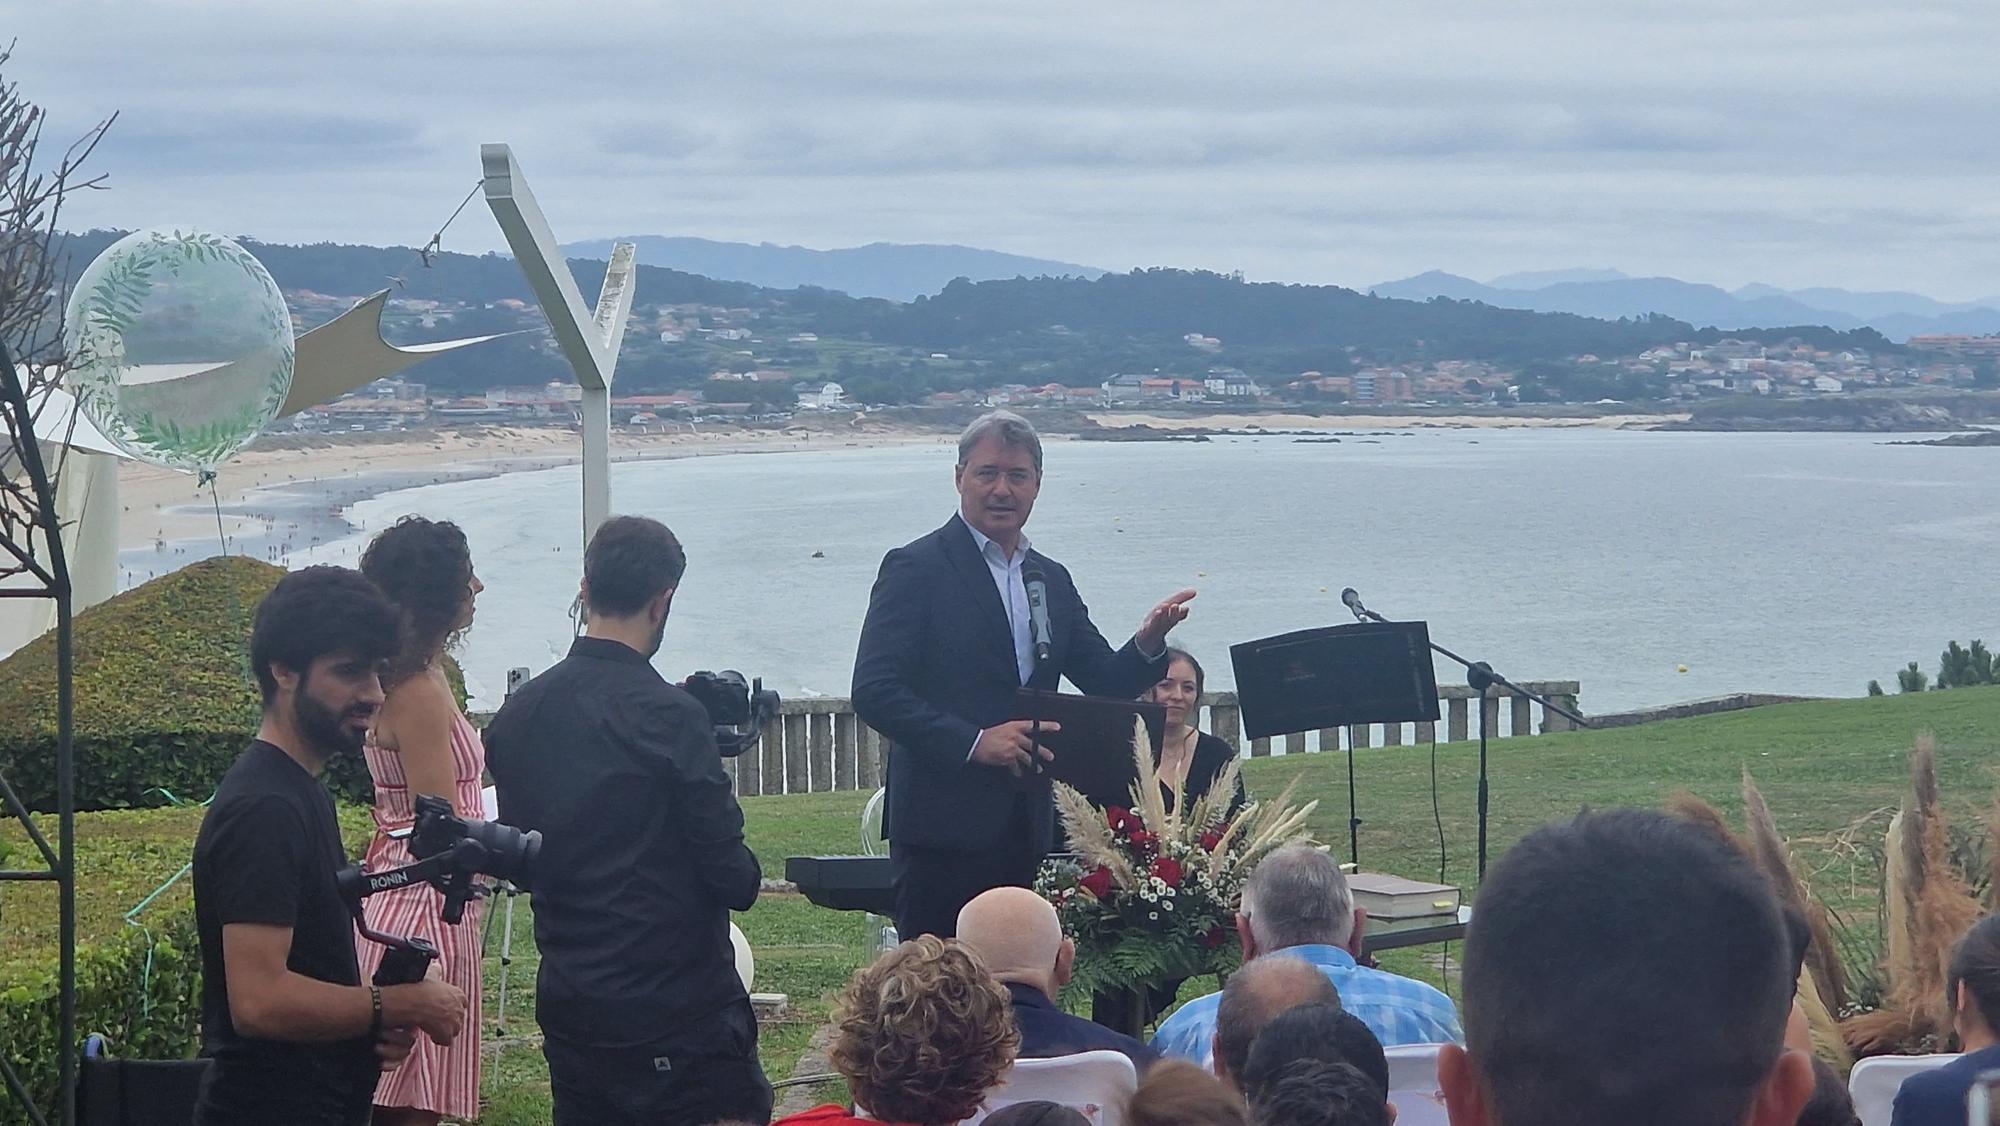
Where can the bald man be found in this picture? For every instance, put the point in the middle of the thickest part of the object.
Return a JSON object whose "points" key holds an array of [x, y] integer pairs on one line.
{"points": [[1016, 933], [1255, 995]]}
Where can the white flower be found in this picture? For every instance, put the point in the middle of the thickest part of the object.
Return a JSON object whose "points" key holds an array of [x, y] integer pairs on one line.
{"points": [[1153, 915], [1167, 906]]}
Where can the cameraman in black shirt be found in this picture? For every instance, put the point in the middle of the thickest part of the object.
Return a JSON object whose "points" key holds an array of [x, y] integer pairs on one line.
{"points": [[295, 1035], [643, 1017]]}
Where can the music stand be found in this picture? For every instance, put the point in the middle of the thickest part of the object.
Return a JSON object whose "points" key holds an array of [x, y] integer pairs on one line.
{"points": [[1333, 677]]}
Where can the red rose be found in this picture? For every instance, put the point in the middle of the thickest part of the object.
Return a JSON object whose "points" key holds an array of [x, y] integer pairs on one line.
{"points": [[1168, 870], [1098, 883], [1120, 818], [1215, 937], [1210, 839], [1142, 840]]}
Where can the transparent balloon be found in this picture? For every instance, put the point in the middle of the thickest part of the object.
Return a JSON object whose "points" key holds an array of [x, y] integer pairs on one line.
{"points": [[180, 347]]}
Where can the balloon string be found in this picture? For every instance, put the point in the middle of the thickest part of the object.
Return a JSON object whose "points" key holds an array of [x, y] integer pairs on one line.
{"points": [[208, 478]]}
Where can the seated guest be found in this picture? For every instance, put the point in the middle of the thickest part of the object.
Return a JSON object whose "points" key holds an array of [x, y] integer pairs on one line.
{"points": [[1319, 1033], [1041, 1112], [1177, 1093], [920, 1036], [1972, 982], [1254, 997], [1189, 756], [1308, 1092], [1625, 968], [1298, 902], [1831, 1104], [1016, 933]]}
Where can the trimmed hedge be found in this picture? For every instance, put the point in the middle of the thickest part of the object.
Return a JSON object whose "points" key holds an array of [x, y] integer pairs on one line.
{"points": [[164, 693], [122, 857], [146, 1016]]}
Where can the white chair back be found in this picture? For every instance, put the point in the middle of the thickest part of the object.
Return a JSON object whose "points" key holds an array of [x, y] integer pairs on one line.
{"points": [[1413, 1085], [1875, 1080], [1097, 1084]]}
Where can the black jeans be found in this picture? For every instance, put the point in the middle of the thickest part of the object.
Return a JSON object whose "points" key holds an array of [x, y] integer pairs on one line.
{"points": [[705, 1071]]}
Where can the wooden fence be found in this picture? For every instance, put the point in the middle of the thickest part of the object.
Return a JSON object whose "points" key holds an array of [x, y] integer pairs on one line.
{"points": [[818, 745]]}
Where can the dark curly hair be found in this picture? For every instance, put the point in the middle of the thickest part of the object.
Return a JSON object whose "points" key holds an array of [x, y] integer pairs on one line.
{"points": [[315, 612], [425, 568], [924, 1032]]}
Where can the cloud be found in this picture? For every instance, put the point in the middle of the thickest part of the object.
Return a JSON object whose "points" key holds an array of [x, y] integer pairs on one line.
{"points": [[1801, 142]]}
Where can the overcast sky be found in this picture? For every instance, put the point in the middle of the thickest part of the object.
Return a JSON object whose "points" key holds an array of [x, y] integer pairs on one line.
{"points": [[1797, 142]]}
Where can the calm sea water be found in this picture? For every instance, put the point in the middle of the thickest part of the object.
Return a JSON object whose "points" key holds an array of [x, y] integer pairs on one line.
{"points": [[1779, 563]]}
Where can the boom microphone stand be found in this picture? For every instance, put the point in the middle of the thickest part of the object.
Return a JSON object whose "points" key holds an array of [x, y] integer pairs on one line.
{"points": [[1481, 677]]}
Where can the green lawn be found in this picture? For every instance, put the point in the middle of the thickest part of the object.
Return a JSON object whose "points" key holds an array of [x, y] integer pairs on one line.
{"points": [[1823, 767]]}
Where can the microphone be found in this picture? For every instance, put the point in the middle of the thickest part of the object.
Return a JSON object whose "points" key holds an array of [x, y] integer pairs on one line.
{"points": [[1351, 599], [1038, 609]]}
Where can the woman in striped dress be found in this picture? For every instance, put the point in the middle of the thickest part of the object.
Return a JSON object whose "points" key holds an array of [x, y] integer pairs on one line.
{"points": [[421, 743]]}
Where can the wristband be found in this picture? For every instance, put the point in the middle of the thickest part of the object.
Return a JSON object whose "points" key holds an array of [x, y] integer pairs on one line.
{"points": [[375, 1015]]}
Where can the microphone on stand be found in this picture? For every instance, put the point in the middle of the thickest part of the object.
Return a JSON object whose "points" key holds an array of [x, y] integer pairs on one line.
{"points": [[1038, 609], [1351, 599]]}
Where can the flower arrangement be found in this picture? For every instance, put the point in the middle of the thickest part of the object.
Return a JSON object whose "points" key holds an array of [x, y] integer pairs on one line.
{"points": [[1151, 894]]}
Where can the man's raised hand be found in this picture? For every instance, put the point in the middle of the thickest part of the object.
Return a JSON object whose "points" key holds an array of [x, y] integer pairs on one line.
{"points": [[1152, 635]]}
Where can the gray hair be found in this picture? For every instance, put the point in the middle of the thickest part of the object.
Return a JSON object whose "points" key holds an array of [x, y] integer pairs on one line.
{"points": [[1298, 897], [1010, 428]]}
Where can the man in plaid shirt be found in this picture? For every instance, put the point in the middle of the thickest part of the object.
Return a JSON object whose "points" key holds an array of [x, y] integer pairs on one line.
{"points": [[1297, 904]]}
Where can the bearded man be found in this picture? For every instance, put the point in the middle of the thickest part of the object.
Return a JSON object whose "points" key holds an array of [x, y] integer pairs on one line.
{"points": [[294, 1034]]}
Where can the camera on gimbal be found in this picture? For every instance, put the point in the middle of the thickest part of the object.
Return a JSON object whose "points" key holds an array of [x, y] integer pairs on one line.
{"points": [[737, 708], [450, 851]]}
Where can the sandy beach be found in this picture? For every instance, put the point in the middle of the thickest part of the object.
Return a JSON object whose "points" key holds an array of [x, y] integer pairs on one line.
{"points": [[289, 492]]}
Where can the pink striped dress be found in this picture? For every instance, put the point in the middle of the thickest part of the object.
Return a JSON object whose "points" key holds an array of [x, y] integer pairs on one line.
{"points": [[441, 1080]]}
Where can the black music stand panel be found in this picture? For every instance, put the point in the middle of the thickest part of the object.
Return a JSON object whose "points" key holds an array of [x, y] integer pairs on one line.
{"points": [[1336, 676]]}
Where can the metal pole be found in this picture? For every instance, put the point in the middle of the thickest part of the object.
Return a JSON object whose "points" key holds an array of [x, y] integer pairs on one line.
{"points": [[48, 523]]}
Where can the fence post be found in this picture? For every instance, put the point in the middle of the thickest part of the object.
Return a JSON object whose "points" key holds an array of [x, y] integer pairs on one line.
{"points": [[750, 771], [797, 763], [1392, 734], [1260, 747], [1295, 743], [771, 745], [1226, 723], [1456, 713], [845, 760], [871, 770], [1329, 740], [819, 738], [1360, 735]]}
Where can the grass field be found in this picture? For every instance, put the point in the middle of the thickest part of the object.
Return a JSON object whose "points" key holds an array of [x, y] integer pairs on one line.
{"points": [[1823, 766]]}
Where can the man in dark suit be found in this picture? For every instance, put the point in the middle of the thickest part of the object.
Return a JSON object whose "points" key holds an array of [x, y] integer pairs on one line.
{"points": [[1016, 933], [946, 646]]}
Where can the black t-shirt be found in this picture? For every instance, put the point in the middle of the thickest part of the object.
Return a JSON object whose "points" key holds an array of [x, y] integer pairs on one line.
{"points": [[267, 853]]}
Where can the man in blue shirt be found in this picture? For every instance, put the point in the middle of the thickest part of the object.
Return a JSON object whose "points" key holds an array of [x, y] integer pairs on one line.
{"points": [[1016, 933], [1298, 904]]}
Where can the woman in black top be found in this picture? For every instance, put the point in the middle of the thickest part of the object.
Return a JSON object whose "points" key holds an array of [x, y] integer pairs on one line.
{"points": [[1188, 755]]}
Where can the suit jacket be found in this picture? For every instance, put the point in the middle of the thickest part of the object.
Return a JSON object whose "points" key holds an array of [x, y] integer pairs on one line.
{"points": [[936, 665], [1937, 1098], [1048, 1032]]}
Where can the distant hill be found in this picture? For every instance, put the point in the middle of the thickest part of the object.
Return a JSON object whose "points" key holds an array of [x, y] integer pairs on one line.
{"points": [[1609, 294], [1536, 279], [897, 271]]}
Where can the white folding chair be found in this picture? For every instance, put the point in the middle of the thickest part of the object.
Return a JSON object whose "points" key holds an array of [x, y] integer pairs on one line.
{"points": [[1875, 1081], [1413, 1085], [1097, 1084]]}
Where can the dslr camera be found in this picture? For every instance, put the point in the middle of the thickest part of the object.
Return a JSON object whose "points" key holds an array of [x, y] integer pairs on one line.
{"points": [[450, 851], [737, 708]]}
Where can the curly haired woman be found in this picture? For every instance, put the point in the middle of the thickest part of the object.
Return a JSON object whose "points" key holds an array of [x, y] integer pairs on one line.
{"points": [[923, 1034], [421, 743]]}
